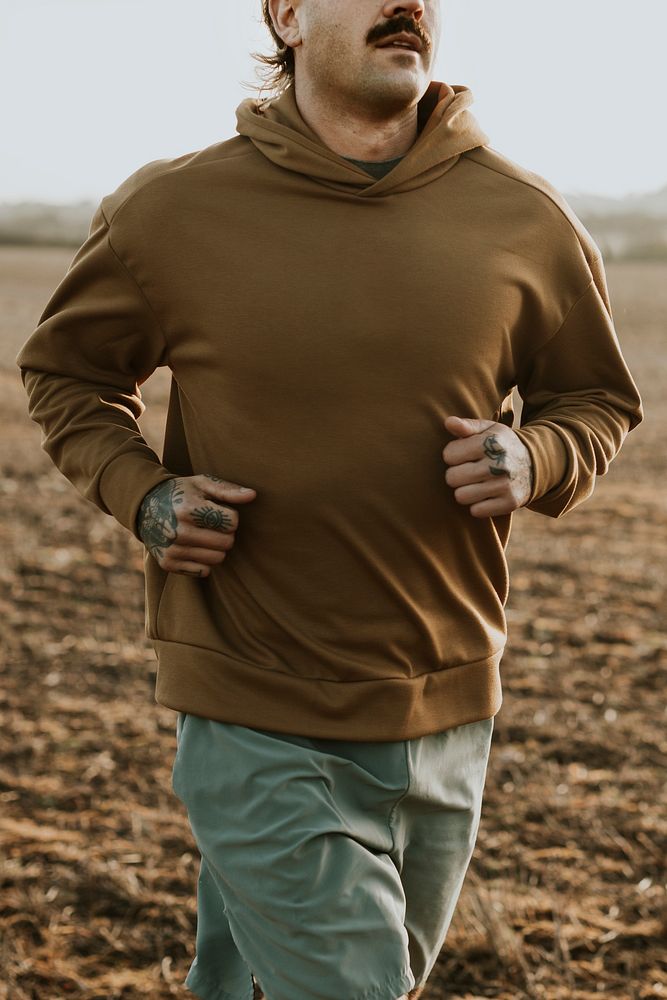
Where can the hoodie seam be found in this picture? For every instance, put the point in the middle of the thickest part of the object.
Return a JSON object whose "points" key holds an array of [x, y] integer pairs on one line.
{"points": [[531, 357], [534, 187], [136, 284], [324, 680], [156, 177]]}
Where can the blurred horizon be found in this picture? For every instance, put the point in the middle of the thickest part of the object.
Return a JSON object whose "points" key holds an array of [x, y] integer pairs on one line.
{"points": [[100, 87], [582, 196]]}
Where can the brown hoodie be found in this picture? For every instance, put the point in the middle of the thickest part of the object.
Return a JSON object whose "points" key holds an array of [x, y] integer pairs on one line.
{"points": [[320, 325]]}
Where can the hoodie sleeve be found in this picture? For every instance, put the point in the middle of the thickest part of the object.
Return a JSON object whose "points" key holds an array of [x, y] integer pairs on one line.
{"points": [[96, 342], [579, 402]]}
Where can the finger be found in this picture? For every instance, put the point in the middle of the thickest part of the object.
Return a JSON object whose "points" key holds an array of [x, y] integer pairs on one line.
{"points": [[464, 450], [469, 472], [224, 489], [213, 516], [476, 492], [491, 508], [191, 569], [204, 557], [465, 426], [193, 537]]}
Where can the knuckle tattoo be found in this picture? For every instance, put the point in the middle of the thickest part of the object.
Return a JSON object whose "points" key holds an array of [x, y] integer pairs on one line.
{"points": [[214, 518], [497, 454]]}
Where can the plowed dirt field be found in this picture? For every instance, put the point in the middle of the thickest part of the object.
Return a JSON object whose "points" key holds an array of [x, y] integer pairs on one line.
{"points": [[565, 896]]}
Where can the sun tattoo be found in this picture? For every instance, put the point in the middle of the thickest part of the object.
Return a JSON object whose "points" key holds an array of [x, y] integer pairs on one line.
{"points": [[209, 517]]}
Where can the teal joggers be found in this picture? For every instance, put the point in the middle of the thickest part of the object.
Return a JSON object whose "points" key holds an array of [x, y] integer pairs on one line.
{"points": [[330, 869]]}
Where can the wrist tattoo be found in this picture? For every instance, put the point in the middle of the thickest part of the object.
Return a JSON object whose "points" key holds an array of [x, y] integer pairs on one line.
{"points": [[157, 517], [497, 454], [210, 517]]}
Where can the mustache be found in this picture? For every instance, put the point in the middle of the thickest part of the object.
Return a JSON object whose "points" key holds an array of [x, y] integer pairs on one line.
{"points": [[395, 27]]}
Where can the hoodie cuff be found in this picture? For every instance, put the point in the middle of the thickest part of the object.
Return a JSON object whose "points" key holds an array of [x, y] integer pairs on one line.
{"points": [[125, 482], [549, 457]]}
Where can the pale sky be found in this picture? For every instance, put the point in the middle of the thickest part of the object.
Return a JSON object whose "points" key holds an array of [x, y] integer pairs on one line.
{"points": [[574, 90]]}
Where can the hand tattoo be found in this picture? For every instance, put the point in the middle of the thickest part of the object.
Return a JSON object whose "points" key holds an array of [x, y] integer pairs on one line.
{"points": [[157, 519], [209, 517], [497, 454]]}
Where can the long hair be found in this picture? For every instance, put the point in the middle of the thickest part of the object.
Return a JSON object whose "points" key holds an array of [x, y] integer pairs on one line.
{"points": [[278, 69]]}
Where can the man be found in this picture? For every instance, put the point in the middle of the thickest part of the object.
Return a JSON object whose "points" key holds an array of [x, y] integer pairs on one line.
{"points": [[347, 293]]}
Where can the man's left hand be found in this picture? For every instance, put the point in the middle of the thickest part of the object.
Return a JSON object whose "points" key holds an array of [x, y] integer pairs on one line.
{"points": [[489, 466]]}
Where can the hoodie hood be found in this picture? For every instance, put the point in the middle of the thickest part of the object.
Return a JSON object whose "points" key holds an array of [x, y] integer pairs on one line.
{"points": [[446, 129]]}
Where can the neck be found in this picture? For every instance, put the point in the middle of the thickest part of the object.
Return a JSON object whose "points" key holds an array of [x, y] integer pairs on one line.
{"points": [[353, 131]]}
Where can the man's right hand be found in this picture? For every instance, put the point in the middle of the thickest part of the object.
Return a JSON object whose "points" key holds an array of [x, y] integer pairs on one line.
{"points": [[186, 525]]}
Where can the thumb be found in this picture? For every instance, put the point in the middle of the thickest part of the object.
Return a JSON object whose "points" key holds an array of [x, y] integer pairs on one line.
{"points": [[466, 426], [224, 489]]}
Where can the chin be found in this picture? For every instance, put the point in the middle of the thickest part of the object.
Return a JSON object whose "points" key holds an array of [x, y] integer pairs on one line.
{"points": [[397, 93], [398, 89]]}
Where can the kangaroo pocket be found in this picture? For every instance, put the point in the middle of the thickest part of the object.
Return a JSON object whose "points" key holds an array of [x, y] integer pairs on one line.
{"points": [[349, 617], [177, 608], [155, 580]]}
